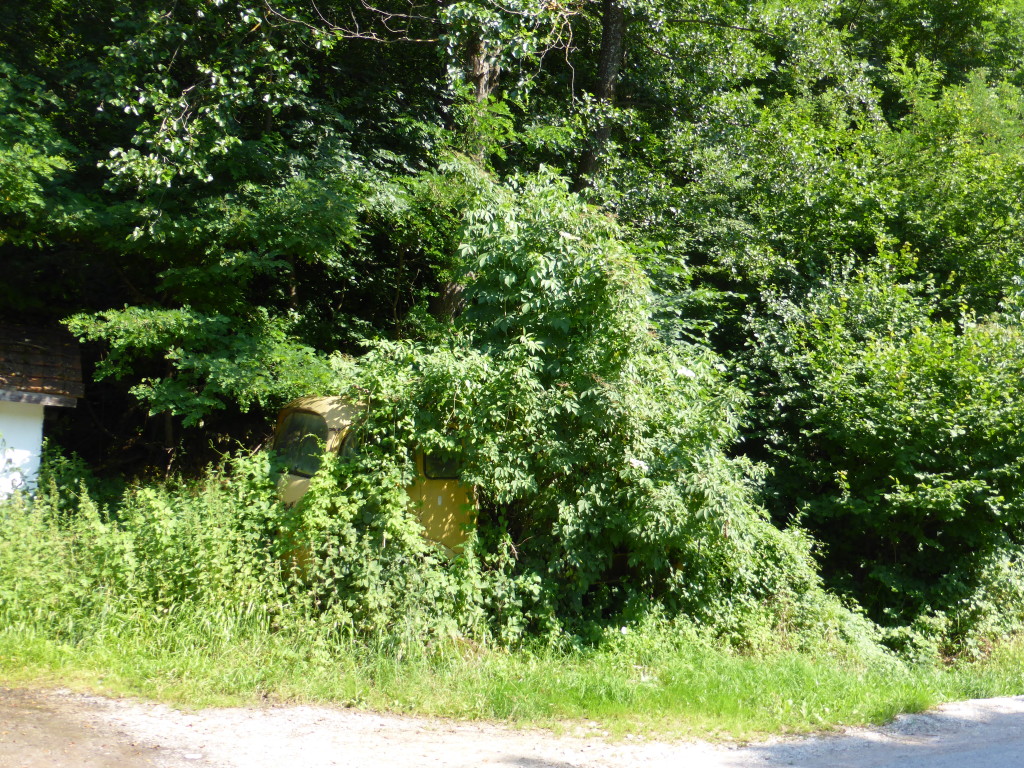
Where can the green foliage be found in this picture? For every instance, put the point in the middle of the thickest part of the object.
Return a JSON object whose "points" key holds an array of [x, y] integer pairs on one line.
{"points": [[181, 591], [196, 114], [348, 565], [30, 156], [961, 36], [221, 550], [359, 557], [896, 442], [958, 160], [598, 455], [158, 550], [213, 359], [220, 196], [229, 200]]}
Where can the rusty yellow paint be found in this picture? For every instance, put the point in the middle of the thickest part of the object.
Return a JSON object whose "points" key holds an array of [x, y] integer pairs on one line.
{"points": [[445, 507]]}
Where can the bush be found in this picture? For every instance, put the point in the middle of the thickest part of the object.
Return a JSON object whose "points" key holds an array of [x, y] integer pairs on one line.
{"points": [[598, 454], [160, 548], [897, 437], [599, 458]]}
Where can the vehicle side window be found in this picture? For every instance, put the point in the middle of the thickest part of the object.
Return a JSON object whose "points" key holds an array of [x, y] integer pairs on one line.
{"points": [[349, 445], [300, 442], [442, 465]]}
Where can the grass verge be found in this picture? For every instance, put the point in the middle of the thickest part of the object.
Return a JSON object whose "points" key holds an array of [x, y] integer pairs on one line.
{"points": [[180, 594], [680, 687]]}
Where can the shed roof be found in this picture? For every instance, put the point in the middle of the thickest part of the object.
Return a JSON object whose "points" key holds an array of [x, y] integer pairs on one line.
{"points": [[39, 365]]}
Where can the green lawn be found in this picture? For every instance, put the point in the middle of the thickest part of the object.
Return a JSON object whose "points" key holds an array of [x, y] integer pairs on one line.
{"points": [[646, 685]]}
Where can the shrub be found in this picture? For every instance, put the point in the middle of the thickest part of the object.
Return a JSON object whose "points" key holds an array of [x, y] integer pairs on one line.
{"points": [[897, 437], [598, 454], [599, 457]]}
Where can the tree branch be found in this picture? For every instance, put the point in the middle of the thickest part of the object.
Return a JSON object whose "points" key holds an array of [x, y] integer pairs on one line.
{"points": [[354, 32], [723, 25]]}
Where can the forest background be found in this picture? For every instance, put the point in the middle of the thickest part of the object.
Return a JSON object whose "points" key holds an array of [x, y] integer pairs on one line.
{"points": [[721, 301]]}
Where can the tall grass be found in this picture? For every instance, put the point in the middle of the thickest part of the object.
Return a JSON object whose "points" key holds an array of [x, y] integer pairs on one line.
{"points": [[693, 689], [182, 594]]}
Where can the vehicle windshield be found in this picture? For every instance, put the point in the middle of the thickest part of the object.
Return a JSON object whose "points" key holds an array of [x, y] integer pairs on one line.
{"points": [[300, 442]]}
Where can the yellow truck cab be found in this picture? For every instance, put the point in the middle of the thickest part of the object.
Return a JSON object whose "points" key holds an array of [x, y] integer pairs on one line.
{"points": [[310, 426]]}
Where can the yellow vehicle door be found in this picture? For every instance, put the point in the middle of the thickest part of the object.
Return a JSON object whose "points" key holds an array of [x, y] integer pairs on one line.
{"points": [[443, 504]]}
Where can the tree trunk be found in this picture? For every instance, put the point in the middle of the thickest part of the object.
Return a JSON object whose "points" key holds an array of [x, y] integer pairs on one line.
{"points": [[613, 33], [449, 301], [483, 74]]}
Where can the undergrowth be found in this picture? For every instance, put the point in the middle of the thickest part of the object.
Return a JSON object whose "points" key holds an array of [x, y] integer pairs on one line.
{"points": [[190, 592]]}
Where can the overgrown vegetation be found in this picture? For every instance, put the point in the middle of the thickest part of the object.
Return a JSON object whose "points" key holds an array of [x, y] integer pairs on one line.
{"points": [[895, 436], [720, 302], [185, 592]]}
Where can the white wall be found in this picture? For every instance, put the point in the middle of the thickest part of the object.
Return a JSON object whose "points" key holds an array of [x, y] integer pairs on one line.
{"points": [[21, 439]]}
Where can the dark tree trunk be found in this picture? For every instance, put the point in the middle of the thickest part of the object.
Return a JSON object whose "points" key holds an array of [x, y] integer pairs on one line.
{"points": [[613, 33], [482, 73], [449, 301]]}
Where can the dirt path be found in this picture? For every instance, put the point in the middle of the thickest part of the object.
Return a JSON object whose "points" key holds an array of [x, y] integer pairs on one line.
{"points": [[47, 731], [58, 729]]}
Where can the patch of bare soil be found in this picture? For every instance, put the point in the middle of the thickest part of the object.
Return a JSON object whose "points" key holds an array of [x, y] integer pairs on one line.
{"points": [[43, 731], [59, 729]]}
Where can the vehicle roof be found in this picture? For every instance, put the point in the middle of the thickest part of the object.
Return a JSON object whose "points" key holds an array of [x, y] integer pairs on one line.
{"points": [[338, 412]]}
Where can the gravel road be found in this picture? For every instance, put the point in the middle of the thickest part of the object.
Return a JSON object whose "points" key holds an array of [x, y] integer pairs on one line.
{"points": [[60, 729]]}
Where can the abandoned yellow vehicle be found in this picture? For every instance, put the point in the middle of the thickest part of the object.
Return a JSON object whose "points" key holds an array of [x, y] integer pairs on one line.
{"points": [[310, 426]]}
